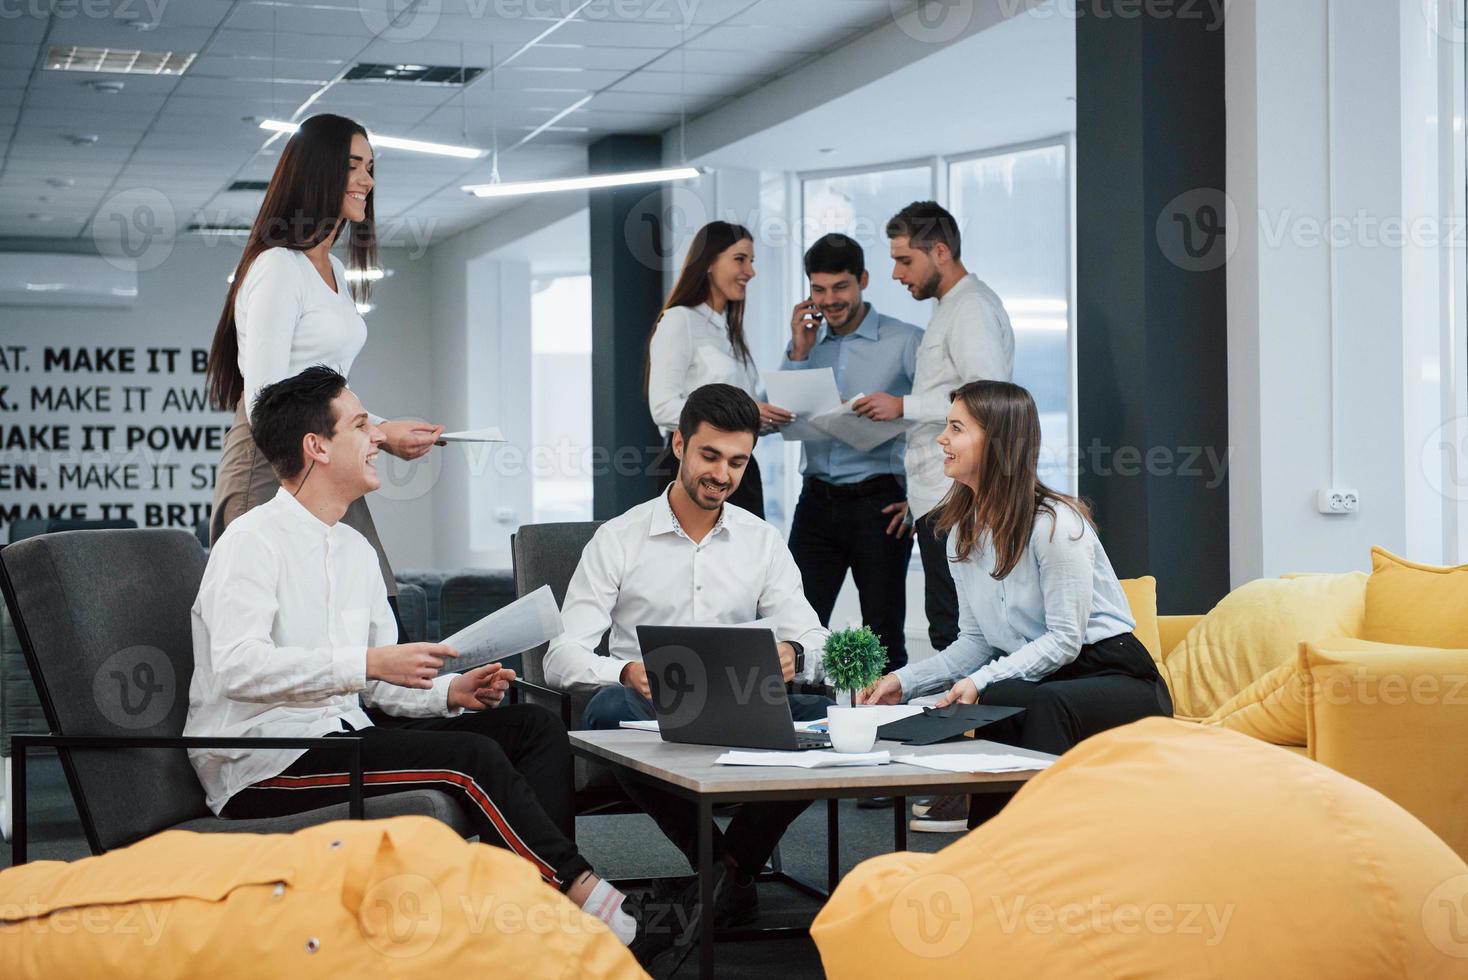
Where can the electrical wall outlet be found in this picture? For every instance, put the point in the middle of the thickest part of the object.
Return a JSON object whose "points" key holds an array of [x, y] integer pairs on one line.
{"points": [[1337, 500]]}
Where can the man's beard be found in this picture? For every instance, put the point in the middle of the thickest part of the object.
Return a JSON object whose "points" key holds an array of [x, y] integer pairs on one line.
{"points": [[691, 488], [929, 289]]}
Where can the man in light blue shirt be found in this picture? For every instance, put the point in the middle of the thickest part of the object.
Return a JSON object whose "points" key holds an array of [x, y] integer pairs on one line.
{"points": [[850, 514]]}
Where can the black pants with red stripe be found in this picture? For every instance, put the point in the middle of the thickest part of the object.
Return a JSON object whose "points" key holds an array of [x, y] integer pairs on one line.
{"points": [[506, 766]]}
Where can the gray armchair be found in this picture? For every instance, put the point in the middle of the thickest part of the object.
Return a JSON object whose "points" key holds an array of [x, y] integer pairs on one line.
{"points": [[103, 619], [547, 554]]}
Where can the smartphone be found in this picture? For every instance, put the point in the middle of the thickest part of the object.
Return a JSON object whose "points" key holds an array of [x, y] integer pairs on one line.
{"points": [[814, 316]]}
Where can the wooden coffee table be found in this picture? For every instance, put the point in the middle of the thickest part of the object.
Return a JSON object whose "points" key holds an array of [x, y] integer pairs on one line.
{"points": [[689, 771]]}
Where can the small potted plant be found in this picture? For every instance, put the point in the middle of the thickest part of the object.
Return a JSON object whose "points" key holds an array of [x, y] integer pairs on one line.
{"points": [[854, 660]]}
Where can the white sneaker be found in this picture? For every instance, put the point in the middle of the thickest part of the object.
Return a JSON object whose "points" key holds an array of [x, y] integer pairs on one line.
{"points": [[941, 815]]}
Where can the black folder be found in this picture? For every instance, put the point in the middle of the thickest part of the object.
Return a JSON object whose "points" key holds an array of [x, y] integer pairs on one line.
{"points": [[941, 724]]}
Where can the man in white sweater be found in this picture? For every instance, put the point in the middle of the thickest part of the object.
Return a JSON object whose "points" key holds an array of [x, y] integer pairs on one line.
{"points": [[968, 339]]}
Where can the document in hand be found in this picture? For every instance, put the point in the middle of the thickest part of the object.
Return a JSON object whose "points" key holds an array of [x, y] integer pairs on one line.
{"points": [[489, 434], [523, 625], [806, 394]]}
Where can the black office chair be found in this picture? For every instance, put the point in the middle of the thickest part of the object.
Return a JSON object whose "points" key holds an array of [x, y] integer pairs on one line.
{"points": [[103, 619]]}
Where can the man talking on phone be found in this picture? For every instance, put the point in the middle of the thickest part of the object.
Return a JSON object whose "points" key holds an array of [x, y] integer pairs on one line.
{"points": [[850, 513]]}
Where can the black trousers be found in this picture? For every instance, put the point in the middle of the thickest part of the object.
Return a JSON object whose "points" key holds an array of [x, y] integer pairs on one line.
{"points": [[506, 766], [940, 595], [837, 528], [751, 836], [1113, 682], [750, 493]]}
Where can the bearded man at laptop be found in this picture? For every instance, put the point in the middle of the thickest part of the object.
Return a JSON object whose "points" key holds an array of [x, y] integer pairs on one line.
{"points": [[688, 557]]}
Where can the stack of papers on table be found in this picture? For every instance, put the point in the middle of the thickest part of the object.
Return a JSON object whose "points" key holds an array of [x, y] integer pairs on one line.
{"points": [[810, 759], [975, 762]]}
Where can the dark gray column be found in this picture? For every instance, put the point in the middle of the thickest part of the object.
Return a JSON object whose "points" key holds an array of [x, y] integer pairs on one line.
{"points": [[1151, 316], [627, 259]]}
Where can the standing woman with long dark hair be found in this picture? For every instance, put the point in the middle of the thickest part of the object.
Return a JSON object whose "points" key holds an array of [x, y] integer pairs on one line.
{"points": [[293, 304], [698, 339], [1043, 622]]}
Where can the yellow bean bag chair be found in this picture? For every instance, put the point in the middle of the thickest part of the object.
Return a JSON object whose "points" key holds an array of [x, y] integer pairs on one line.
{"points": [[382, 898], [1165, 850]]}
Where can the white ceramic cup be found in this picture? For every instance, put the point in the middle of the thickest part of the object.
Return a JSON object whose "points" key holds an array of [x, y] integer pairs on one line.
{"points": [[853, 729]]}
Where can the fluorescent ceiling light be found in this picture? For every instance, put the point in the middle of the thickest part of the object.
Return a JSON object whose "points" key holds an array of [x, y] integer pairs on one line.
{"points": [[590, 182], [393, 142], [370, 274], [129, 61]]}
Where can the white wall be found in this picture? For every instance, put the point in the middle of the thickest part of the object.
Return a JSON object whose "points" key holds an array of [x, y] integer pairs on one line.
{"points": [[1336, 333], [478, 380], [178, 305]]}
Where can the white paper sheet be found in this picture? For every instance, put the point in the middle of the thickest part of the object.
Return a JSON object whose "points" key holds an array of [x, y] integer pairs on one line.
{"points": [[859, 433], [489, 434], [523, 625], [811, 759], [975, 762], [808, 392]]}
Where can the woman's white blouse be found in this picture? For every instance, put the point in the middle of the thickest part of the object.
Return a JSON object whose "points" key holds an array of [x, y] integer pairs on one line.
{"points": [[690, 348], [1061, 595], [287, 319]]}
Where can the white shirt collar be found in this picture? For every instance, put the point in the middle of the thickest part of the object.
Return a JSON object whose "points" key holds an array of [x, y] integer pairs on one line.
{"points": [[664, 521], [298, 512], [707, 312]]}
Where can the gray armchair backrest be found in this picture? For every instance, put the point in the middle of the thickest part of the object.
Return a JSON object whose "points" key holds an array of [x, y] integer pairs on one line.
{"points": [[104, 620], [547, 554]]}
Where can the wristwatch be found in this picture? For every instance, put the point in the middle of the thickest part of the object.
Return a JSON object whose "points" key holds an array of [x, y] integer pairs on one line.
{"points": [[799, 656]]}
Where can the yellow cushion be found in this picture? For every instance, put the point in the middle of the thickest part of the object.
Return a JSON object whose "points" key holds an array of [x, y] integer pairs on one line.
{"points": [[1254, 629], [375, 898], [1267, 865], [1141, 596], [1272, 709], [1395, 718], [1415, 604]]}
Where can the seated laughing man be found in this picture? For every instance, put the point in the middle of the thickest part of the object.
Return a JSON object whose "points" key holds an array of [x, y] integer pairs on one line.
{"points": [[292, 625], [690, 557]]}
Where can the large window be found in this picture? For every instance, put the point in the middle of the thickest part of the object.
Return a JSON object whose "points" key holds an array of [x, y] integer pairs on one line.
{"points": [[560, 348], [1014, 211], [859, 205]]}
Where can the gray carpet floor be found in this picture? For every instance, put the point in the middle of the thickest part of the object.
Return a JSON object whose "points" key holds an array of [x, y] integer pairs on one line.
{"points": [[617, 846]]}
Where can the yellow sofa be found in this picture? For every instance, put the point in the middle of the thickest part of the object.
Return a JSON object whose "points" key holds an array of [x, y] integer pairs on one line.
{"points": [[1392, 717]]}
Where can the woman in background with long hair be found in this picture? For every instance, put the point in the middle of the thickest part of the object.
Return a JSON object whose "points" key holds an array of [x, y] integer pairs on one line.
{"points": [[293, 304], [698, 339]]}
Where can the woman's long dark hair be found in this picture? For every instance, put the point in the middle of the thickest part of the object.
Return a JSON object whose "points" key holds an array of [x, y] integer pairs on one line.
{"points": [[302, 208], [1011, 495], [693, 286]]}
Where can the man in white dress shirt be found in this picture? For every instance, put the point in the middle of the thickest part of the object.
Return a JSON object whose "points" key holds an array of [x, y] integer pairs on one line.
{"points": [[968, 339], [688, 556], [293, 634]]}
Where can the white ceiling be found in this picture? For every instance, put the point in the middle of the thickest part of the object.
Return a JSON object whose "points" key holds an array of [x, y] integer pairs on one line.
{"points": [[1013, 82], [176, 142]]}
